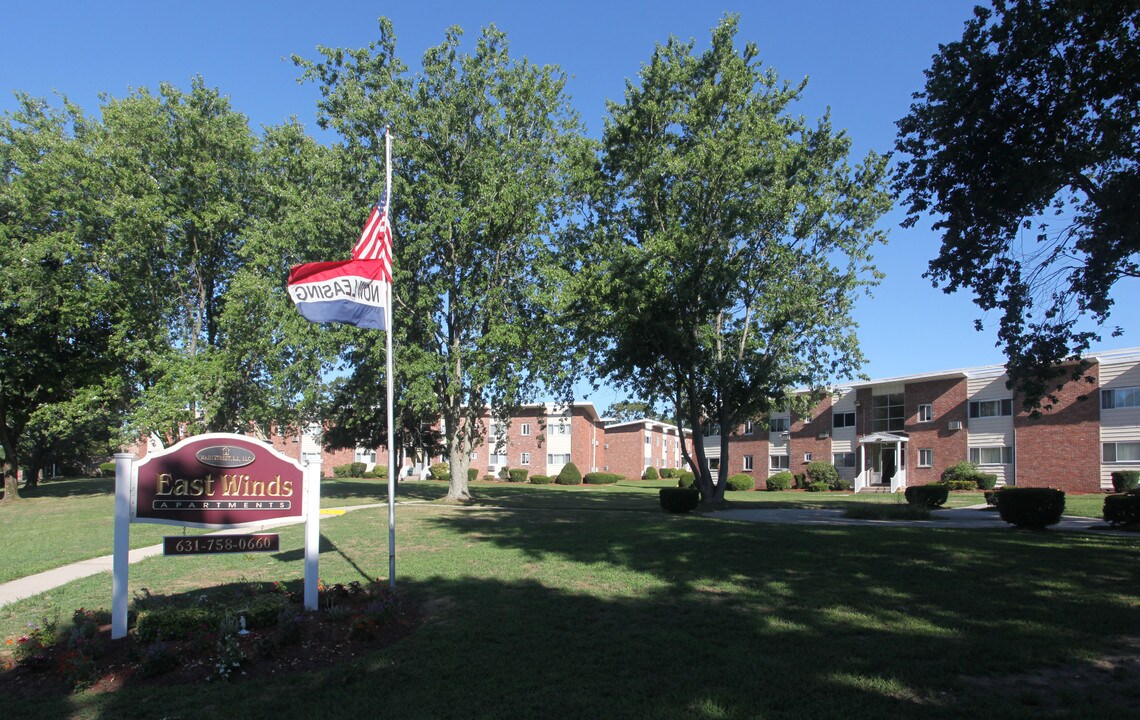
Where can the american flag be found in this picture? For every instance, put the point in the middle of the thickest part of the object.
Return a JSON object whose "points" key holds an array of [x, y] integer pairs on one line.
{"points": [[376, 240]]}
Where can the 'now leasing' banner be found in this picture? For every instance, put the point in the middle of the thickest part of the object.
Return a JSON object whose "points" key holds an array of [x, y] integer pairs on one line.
{"points": [[346, 291]]}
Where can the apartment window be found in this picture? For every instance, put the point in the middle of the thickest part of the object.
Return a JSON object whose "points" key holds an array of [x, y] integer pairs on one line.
{"points": [[524, 459], [807, 457], [1120, 398], [474, 455], [925, 413], [747, 463], [926, 456], [525, 429], [647, 440], [714, 464], [557, 458], [778, 425], [843, 460], [710, 430], [499, 458], [843, 419], [561, 429], [778, 462], [887, 413], [1113, 452], [991, 455], [748, 428], [991, 408], [364, 456]]}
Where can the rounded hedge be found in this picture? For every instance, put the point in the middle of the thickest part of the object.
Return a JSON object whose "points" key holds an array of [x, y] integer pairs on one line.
{"points": [[541, 480], [961, 470], [780, 481], [817, 487], [1035, 508], [821, 471], [517, 475], [986, 481], [601, 478], [1122, 509], [570, 475], [1122, 480], [740, 482], [842, 485], [927, 496], [686, 479], [107, 468], [650, 473], [679, 500], [439, 471], [473, 474]]}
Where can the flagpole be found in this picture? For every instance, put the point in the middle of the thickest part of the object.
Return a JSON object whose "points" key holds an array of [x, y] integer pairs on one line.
{"points": [[391, 378]]}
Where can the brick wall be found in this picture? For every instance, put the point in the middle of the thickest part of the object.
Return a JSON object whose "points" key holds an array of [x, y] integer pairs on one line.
{"points": [[948, 398], [1061, 447], [517, 443], [805, 438], [755, 445], [625, 454], [584, 430]]}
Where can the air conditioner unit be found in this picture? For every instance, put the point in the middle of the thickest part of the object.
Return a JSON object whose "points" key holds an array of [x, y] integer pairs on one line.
{"points": [[823, 435], [955, 424]]}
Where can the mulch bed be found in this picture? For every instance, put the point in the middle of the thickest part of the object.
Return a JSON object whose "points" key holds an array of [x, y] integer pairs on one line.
{"points": [[325, 639]]}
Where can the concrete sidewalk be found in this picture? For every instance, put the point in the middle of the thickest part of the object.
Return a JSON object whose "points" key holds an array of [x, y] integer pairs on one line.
{"points": [[980, 517]]}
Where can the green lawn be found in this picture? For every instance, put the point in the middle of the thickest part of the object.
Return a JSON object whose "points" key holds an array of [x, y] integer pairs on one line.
{"points": [[591, 603]]}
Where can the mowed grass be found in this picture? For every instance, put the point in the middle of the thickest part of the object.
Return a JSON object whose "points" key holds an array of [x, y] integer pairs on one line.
{"points": [[592, 603]]}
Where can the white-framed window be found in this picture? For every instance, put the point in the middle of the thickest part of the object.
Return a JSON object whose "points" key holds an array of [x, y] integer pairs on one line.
{"points": [[474, 455], [926, 457], [843, 459], [925, 412], [364, 456], [748, 427], [778, 425], [807, 457], [991, 408], [843, 419], [1120, 398], [561, 429], [1120, 452], [887, 413], [524, 458], [714, 464], [995, 455], [778, 462], [747, 463], [525, 429], [497, 458], [557, 458], [647, 440]]}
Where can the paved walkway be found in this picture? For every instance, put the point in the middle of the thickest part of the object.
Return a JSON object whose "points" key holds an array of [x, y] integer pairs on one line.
{"points": [[975, 516]]}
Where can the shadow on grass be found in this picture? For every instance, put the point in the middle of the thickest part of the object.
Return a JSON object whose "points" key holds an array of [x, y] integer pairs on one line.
{"points": [[69, 487]]}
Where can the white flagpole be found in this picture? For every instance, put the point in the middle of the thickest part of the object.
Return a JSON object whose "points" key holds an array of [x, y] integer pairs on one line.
{"points": [[391, 377]]}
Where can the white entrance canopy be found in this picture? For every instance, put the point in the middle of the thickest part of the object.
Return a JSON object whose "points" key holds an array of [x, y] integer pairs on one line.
{"points": [[865, 476]]}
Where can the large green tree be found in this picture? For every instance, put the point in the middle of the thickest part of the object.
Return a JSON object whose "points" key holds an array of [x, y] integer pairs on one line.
{"points": [[729, 240], [479, 163], [1023, 146], [57, 308]]}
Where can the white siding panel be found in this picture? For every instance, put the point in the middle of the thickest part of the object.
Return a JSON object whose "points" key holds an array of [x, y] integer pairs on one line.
{"points": [[987, 387], [989, 427], [1116, 433], [1122, 373]]}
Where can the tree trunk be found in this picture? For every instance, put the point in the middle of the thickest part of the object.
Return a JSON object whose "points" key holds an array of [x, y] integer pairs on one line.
{"points": [[11, 488]]}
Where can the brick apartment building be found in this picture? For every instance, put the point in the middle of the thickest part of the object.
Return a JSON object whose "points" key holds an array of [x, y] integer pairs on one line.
{"points": [[896, 432], [888, 434]]}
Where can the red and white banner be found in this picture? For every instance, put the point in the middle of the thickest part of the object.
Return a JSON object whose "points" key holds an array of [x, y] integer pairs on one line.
{"points": [[346, 291]]}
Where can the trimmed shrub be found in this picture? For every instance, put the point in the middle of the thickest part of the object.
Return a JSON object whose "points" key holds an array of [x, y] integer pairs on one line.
{"points": [[842, 485], [175, 623], [800, 481], [960, 485], [442, 471], [991, 497], [780, 481], [986, 481], [601, 478], [107, 468], [685, 479], [669, 473], [380, 471], [570, 475], [679, 499], [740, 482], [504, 473], [473, 475], [355, 470], [817, 487], [650, 473], [820, 471], [541, 479], [1122, 509], [262, 611], [927, 496], [368, 475], [518, 475], [1122, 480], [1035, 508], [961, 470]]}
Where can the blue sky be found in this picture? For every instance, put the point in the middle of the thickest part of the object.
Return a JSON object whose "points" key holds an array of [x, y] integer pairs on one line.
{"points": [[863, 60]]}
